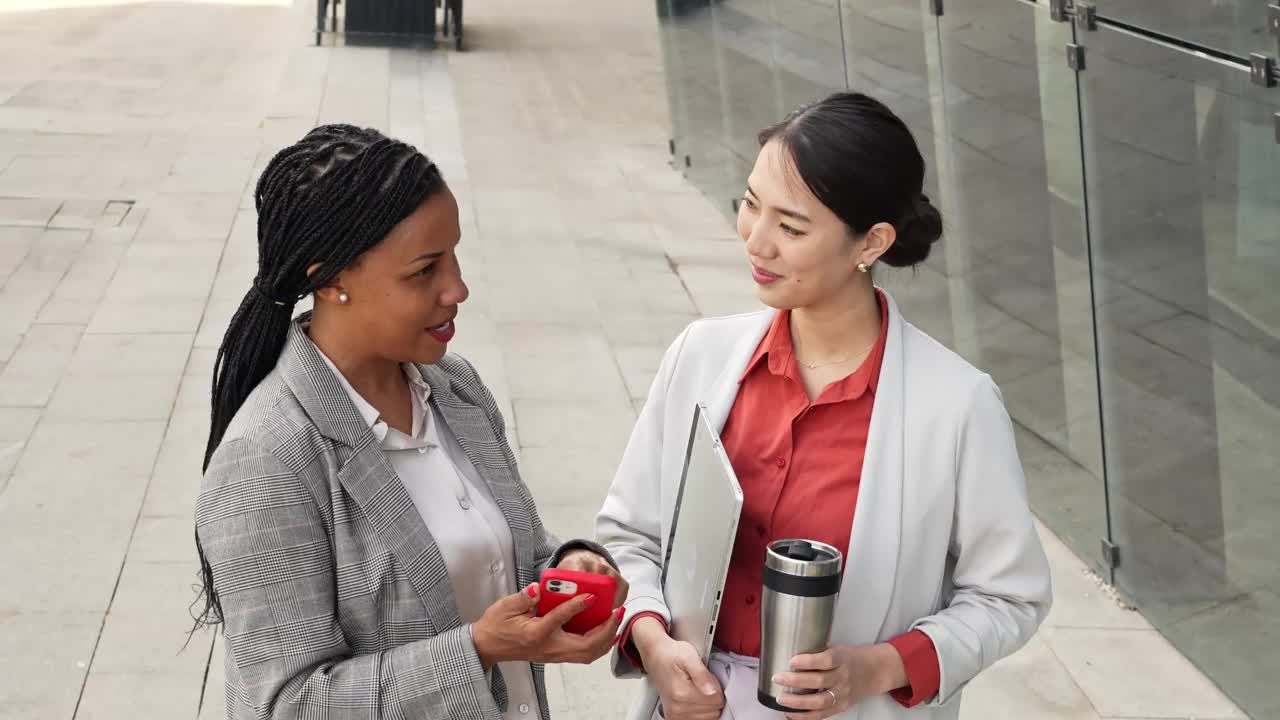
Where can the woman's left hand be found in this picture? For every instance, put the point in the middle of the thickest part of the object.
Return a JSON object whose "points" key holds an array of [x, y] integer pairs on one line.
{"points": [[843, 676], [588, 561]]}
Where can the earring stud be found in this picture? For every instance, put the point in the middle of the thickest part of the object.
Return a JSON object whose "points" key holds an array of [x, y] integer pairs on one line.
{"points": [[862, 267], [343, 297]]}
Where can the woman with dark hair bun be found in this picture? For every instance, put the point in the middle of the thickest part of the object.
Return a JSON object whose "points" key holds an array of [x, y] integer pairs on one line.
{"points": [[365, 538], [846, 425]]}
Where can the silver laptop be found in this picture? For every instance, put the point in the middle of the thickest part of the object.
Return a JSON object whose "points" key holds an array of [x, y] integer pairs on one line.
{"points": [[703, 530]]}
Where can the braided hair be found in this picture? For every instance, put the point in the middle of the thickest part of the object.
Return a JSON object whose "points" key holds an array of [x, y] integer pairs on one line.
{"points": [[325, 200]]}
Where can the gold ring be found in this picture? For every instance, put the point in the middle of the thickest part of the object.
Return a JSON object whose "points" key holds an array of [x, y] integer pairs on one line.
{"points": [[834, 699]]}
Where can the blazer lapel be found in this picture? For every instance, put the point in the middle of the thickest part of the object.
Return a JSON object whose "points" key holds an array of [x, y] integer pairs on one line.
{"points": [[368, 477], [372, 483], [723, 390], [318, 391], [871, 567], [475, 435]]}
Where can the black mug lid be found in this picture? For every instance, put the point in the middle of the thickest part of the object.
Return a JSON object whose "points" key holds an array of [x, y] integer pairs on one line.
{"points": [[803, 558]]}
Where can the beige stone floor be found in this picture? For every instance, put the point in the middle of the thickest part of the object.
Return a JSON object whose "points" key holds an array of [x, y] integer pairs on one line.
{"points": [[130, 134]]}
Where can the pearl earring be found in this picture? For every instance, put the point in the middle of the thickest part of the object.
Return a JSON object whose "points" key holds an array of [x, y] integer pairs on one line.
{"points": [[343, 297], [862, 267]]}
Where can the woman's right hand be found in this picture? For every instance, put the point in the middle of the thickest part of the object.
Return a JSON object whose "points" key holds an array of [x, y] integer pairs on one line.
{"points": [[509, 631], [688, 689]]}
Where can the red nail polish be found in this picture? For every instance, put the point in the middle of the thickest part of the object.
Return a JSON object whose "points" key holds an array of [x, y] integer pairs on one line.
{"points": [[619, 613], [589, 600], [533, 590]]}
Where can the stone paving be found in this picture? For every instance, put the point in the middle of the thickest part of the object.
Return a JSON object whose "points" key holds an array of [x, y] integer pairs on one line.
{"points": [[130, 136]]}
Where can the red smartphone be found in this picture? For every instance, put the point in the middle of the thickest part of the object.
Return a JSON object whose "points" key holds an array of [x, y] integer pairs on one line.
{"points": [[561, 586]]}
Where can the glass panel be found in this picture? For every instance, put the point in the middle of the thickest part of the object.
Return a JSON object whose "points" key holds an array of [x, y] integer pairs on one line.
{"points": [[808, 51], [1011, 292], [888, 44], [774, 56], [1183, 174], [675, 68], [694, 37], [751, 86], [1229, 26]]}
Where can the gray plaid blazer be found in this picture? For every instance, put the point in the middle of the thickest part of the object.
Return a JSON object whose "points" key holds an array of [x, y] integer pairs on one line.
{"points": [[336, 600]]}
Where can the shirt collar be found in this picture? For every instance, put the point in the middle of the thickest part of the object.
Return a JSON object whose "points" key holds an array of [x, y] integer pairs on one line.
{"points": [[776, 353], [417, 381], [421, 415], [775, 349]]}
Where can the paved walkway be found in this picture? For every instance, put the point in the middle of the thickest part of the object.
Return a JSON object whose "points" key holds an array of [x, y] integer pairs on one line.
{"points": [[130, 135]]}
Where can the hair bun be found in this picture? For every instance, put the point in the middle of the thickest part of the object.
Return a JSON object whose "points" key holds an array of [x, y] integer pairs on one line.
{"points": [[917, 232]]}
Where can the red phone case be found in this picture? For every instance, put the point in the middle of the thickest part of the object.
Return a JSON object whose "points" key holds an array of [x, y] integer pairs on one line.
{"points": [[561, 586]]}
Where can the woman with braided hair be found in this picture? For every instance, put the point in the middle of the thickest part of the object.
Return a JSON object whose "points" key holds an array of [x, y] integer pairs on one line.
{"points": [[364, 535]]}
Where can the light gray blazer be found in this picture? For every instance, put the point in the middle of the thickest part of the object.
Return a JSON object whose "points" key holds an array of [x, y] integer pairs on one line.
{"points": [[336, 599], [942, 539]]}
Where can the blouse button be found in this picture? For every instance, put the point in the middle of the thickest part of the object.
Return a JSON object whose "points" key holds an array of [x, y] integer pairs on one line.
{"points": [[781, 462], [751, 599], [761, 531], [464, 503], [422, 451], [496, 567], [524, 709]]}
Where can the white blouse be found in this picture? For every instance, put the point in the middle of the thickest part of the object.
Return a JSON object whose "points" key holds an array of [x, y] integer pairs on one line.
{"points": [[459, 511]]}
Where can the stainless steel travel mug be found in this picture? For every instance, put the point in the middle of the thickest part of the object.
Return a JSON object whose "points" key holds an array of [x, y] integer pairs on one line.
{"points": [[797, 606]]}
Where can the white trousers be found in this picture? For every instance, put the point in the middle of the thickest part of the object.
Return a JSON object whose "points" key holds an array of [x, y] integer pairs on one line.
{"points": [[739, 676]]}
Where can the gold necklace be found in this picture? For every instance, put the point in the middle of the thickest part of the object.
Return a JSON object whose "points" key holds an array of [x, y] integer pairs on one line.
{"points": [[815, 366]]}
